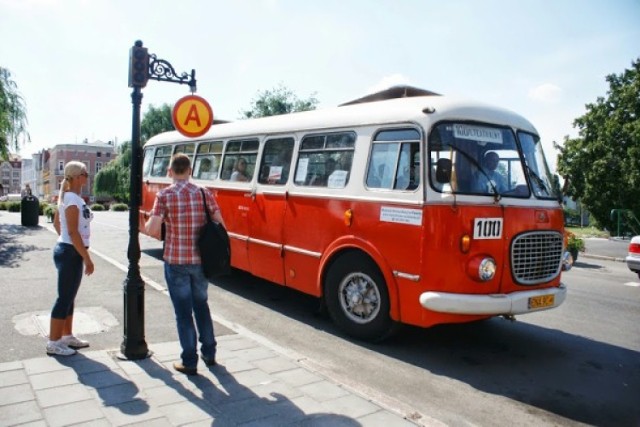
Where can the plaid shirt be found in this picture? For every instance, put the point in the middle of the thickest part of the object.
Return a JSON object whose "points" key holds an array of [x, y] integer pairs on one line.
{"points": [[182, 210]]}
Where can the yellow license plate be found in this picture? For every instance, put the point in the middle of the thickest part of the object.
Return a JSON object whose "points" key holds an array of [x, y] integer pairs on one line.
{"points": [[541, 301]]}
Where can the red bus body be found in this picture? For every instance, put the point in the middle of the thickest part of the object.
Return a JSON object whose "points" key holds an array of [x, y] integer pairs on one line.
{"points": [[417, 247]]}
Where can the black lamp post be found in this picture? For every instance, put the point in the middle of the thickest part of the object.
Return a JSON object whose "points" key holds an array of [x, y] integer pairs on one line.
{"points": [[142, 67]]}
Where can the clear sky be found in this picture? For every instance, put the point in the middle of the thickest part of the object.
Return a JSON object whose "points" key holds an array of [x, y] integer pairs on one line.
{"points": [[543, 59]]}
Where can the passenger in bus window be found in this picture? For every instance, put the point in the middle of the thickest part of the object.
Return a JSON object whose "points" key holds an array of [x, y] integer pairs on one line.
{"points": [[205, 169], [240, 170], [485, 182]]}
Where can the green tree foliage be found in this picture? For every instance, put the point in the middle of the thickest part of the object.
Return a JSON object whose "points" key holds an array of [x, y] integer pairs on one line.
{"points": [[279, 100], [13, 115], [155, 121], [113, 180], [603, 163]]}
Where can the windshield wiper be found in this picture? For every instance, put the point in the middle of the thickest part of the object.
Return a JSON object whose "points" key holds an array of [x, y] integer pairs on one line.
{"points": [[541, 183]]}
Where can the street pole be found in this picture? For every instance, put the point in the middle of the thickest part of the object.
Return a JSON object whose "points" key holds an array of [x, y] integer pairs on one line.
{"points": [[134, 346], [142, 67]]}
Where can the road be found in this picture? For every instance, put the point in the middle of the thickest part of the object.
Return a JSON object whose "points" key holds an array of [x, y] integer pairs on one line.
{"points": [[578, 364]]}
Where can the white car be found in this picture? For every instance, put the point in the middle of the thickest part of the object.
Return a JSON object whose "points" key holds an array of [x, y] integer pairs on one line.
{"points": [[10, 198], [633, 258]]}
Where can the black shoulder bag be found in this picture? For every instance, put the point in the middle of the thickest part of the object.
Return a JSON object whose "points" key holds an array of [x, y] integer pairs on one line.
{"points": [[213, 243]]}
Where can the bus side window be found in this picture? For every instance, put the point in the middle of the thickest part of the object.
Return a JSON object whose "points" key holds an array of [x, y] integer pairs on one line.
{"points": [[147, 162], [240, 160], [394, 162], [161, 162], [325, 160], [276, 161]]}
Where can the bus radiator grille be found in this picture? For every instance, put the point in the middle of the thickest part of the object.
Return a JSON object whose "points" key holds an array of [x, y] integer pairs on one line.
{"points": [[536, 257]]}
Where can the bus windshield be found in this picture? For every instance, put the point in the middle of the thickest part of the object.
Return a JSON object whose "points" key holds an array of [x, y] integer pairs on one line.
{"points": [[480, 159], [542, 181]]}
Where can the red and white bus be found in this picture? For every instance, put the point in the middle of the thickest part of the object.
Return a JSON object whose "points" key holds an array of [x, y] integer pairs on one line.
{"points": [[387, 210]]}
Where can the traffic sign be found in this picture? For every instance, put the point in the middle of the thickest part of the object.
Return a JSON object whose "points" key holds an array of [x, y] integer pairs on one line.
{"points": [[192, 116]]}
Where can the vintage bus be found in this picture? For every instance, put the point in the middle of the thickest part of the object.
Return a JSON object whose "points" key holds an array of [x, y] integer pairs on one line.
{"points": [[387, 210]]}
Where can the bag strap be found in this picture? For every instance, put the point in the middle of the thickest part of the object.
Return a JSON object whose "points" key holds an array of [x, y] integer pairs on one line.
{"points": [[206, 209]]}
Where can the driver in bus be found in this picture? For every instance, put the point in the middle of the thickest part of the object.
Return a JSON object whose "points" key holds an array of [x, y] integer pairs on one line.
{"points": [[484, 181]]}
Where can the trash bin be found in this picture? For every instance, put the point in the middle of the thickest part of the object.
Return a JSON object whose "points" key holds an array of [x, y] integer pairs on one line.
{"points": [[30, 211]]}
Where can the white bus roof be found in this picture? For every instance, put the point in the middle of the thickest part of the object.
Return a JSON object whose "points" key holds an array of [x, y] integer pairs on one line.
{"points": [[399, 110]]}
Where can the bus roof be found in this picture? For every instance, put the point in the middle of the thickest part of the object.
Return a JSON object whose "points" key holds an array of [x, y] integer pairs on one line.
{"points": [[398, 110]]}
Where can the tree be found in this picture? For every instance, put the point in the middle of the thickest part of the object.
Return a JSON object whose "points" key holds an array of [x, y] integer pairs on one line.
{"points": [[279, 100], [155, 121], [113, 180], [603, 163], [13, 115]]}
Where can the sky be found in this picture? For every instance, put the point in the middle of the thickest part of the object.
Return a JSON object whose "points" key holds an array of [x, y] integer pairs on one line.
{"points": [[543, 59]]}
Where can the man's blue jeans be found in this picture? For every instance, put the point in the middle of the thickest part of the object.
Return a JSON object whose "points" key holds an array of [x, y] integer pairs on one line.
{"points": [[188, 290]]}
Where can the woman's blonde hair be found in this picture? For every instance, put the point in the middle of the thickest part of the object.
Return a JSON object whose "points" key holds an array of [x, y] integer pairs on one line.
{"points": [[72, 170]]}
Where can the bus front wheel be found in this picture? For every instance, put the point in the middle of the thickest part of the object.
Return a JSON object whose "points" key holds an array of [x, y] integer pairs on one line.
{"points": [[357, 298]]}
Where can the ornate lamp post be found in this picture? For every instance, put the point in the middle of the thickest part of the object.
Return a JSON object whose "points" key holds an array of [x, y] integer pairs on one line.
{"points": [[142, 67]]}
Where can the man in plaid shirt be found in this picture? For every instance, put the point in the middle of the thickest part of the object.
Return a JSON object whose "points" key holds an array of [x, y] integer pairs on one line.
{"points": [[181, 208]]}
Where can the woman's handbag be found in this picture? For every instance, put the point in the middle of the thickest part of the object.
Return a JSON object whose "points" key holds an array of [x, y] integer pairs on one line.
{"points": [[213, 244]]}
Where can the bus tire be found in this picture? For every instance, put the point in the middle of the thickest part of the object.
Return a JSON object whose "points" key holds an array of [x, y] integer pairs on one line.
{"points": [[357, 298]]}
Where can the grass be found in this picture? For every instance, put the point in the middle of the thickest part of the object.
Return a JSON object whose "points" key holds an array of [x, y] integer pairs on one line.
{"points": [[582, 232]]}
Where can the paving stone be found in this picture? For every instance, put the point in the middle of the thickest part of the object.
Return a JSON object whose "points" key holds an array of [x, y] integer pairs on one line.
{"points": [[19, 413], [16, 394], [384, 419], [117, 394], [129, 412], [42, 365], [297, 377], [188, 412], [252, 378], [12, 378], [252, 354], [53, 379], [350, 405], [73, 413], [275, 364], [102, 379], [62, 395], [323, 390], [10, 366]]}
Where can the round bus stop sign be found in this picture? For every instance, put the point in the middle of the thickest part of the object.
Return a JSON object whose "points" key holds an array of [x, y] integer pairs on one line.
{"points": [[192, 116]]}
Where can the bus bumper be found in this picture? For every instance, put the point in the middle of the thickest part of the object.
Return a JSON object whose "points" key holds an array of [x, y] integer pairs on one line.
{"points": [[495, 304]]}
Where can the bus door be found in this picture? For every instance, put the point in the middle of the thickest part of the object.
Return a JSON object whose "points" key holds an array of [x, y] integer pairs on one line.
{"points": [[266, 216], [235, 196]]}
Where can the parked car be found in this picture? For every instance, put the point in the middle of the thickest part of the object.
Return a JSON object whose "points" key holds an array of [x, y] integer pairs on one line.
{"points": [[11, 198], [633, 258]]}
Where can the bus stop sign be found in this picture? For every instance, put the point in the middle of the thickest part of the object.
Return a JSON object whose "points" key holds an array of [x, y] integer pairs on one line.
{"points": [[192, 116]]}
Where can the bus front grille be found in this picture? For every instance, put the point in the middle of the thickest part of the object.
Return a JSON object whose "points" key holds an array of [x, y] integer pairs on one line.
{"points": [[536, 257]]}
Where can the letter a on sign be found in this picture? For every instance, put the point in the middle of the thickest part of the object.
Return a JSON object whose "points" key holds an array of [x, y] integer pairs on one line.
{"points": [[192, 116]]}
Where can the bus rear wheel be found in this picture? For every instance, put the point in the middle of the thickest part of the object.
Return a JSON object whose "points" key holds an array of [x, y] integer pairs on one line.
{"points": [[357, 298]]}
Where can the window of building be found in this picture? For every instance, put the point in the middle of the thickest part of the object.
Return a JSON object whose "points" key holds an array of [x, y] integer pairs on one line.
{"points": [[98, 154], [60, 166], [108, 155], [98, 166], [325, 159]]}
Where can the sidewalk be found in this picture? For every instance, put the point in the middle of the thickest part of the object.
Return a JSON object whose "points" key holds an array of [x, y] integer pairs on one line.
{"points": [[255, 384]]}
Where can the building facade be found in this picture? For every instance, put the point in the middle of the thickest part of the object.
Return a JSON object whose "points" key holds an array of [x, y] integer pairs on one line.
{"points": [[10, 176]]}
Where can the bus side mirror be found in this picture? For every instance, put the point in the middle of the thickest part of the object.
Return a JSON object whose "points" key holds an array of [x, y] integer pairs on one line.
{"points": [[443, 171]]}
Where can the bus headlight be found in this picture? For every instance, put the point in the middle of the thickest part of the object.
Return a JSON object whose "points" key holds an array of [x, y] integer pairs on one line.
{"points": [[482, 268]]}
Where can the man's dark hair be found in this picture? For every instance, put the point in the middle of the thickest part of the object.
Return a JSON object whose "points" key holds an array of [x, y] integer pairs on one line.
{"points": [[180, 163]]}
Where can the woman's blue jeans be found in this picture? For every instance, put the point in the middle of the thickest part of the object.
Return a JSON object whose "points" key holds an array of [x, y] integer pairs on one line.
{"points": [[69, 264], [188, 290]]}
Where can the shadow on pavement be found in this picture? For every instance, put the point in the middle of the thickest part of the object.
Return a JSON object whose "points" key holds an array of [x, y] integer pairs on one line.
{"points": [[12, 252]]}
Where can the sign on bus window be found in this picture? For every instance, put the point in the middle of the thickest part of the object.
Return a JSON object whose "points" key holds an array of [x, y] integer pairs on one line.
{"points": [[325, 160]]}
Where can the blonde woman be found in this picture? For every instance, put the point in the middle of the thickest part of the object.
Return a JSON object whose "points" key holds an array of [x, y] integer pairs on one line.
{"points": [[71, 221]]}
